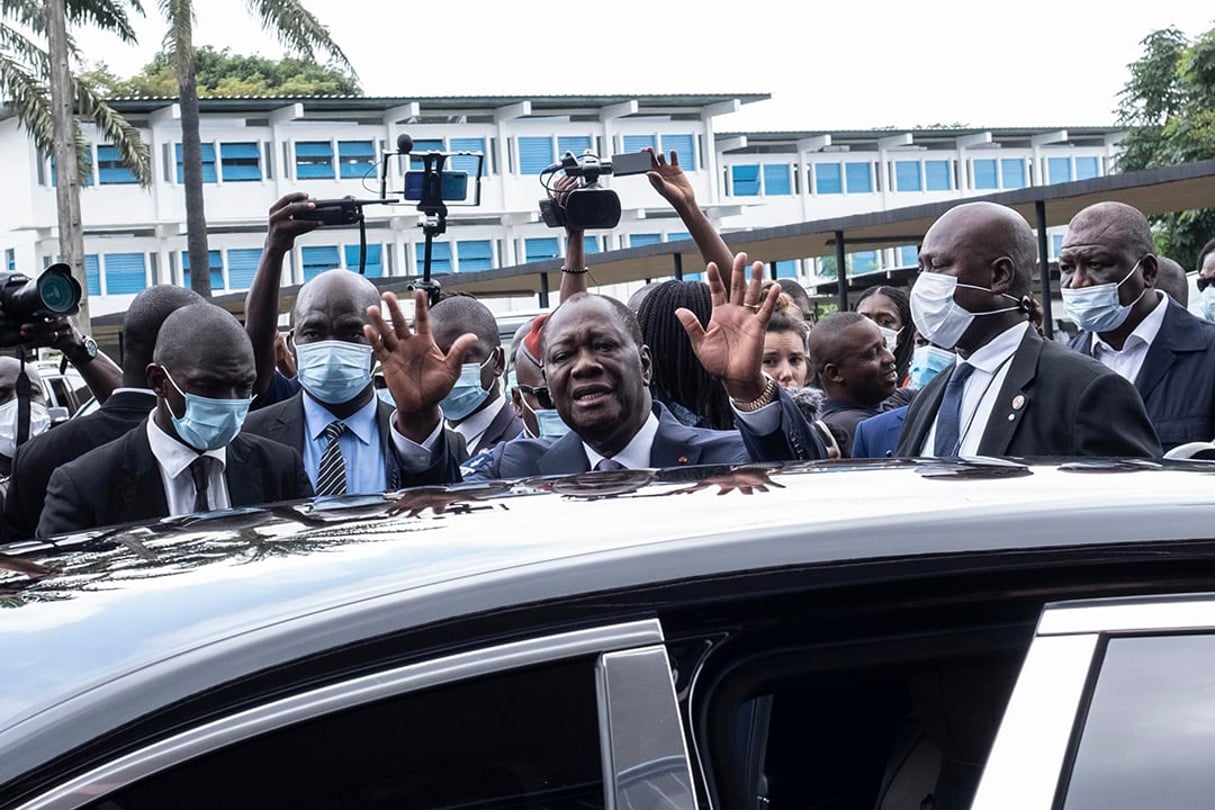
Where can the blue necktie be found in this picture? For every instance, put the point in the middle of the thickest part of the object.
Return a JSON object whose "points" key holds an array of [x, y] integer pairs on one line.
{"points": [[949, 417]]}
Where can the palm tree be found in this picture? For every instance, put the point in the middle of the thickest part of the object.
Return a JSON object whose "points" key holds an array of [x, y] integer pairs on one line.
{"points": [[297, 30]]}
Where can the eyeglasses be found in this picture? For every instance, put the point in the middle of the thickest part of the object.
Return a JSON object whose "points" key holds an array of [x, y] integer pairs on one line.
{"points": [[1204, 282], [540, 392]]}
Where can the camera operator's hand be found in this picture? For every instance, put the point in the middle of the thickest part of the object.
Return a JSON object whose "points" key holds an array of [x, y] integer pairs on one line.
{"points": [[58, 333], [284, 227], [669, 180]]}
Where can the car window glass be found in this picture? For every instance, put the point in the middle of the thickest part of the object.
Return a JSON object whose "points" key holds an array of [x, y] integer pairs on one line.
{"points": [[61, 393], [1149, 737], [526, 738]]}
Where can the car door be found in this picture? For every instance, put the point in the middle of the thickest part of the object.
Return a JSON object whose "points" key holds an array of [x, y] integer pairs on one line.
{"points": [[581, 719], [1114, 708]]}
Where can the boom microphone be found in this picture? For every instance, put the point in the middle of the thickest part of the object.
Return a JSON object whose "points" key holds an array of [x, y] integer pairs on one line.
{"points": [[404, 143]]}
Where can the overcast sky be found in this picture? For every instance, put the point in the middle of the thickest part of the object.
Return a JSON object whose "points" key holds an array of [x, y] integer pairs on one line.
{"points": [[826, 65]]}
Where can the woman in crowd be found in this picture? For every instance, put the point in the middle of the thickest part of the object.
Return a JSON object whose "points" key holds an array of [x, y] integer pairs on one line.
{"points": [[890, 309]]}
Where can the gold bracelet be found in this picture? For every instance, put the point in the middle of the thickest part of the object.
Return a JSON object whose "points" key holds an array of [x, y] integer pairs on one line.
{"points": [[766, 397]]}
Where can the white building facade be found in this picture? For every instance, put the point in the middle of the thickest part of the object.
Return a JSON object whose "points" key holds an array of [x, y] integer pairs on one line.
{"points": [[256, 150]]}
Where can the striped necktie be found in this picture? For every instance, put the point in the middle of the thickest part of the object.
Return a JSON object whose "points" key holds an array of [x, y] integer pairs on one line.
{"points": [[331, 476]]}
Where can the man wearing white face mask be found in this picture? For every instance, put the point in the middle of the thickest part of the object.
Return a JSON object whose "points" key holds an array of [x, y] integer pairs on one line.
{"points": [[40, 420], [1109, 268], [1010, 393]]}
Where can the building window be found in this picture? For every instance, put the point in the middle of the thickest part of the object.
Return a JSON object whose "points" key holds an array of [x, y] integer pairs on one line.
{"points": [[785, 269], [573, 143], [86, 170], [467, 163], [1058, 170], [776, 179], [744, 180], [240, 162], [909, 256], [92, 274], [1013, 172], [374, 264], [475, 254], [356, 159], [864, 262], [421, 147], [590, 244], [10, 259], [242, 266], [1056, 244], [208, 164], [828, 178], [1087, 168], [537, 250], [907, 175], [217, 269], [643, 239], [985, 174], [313, 160], [859, 177], [938, 175], [440, 256], [535, 154], [635, 143], [125, 273], [317, 259], [110, 168], [684, 147]]}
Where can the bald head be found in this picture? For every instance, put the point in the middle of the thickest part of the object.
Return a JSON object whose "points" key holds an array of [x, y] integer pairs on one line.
{"points": [[1170, 277], [199, 336], [142, 324], [460, 314], [10, 367], [1112, 224], [983, 232], [335, 289]]}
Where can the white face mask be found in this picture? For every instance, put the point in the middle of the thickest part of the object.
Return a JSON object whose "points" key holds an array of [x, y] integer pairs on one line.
{"points": [[891, 336], [40, 422], [1097, 308], [1206, 303], [939, 318]]}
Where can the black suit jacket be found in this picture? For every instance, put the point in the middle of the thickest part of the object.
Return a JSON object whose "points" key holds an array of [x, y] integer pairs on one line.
{"points": [[120, 482], [284, 422], [1177, 379], [506, 424], [40, 456], [1054, 402]]}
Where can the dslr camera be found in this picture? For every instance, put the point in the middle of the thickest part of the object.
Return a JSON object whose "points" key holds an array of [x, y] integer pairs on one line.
{"points": [[25, 300], [588, 206]]}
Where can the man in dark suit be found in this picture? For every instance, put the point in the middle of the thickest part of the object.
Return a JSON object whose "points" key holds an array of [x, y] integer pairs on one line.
{"points": [[337, 423], [878, 436], [598, 369], [855, 370], [1011, 393], [1109, 272], [188, 456], [126, 407]]}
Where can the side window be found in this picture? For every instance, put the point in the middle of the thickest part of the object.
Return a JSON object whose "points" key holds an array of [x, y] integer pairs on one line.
{"points": [[526, 738], [1149, 737]]}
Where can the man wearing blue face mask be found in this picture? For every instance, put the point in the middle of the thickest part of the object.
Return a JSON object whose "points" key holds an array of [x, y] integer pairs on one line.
{"points": [[1009, 393], [189, 455], [1108, 267]]}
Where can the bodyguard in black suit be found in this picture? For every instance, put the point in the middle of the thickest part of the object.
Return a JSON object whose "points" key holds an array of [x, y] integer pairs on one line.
{"points": [[126, 407], [1011, 393], [1109, 272], [188, 455]]}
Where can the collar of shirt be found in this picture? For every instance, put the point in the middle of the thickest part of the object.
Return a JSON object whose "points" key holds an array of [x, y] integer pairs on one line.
{"points": [[147, 391], [636, 454], [995, 353], [474, 427], [361, 423], [174, 456], [1143, 334]]}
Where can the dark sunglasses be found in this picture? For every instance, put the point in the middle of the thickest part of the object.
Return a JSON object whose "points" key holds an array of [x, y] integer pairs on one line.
{"points": [[540, 392], [1204, 282]]}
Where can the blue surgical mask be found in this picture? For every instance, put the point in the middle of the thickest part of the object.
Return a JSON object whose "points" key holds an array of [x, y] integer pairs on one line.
{"points": [[1206, 303], [208, 423], [1097, 308], [926, 363], [467, 394], [548, 422], [333, 371]]}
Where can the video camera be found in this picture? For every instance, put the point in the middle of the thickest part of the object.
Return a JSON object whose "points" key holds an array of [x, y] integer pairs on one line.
{"points": [[589, 206], [25, 300]]}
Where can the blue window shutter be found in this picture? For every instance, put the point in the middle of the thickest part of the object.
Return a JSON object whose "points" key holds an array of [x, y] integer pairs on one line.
{"points": [[678, 236], [374, 264], [635, 143], [313, 149], [643, 239], [776, 179], [110, 169], [208, 163], [475, 254], [92, 274], [745, 180], [1056, 244], [317, 259], [313, 160], [827, 178], [240, 161], [1086, 167], [535, 154], [440, 256], [864, 262], [573, 143], [356, 159], [859, 177], [467, 163], [907, 175], [537, 250], [216, 262], [1058, 169], [124, 273], [938, 175], [1013, 170], [590, 244], [985, 174], [684, 147], [242, 265], [909, 256], [786, 269], [421, 147]]}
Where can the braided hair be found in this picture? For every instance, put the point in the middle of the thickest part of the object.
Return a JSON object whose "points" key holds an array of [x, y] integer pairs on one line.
{"points": [[678, 376]]}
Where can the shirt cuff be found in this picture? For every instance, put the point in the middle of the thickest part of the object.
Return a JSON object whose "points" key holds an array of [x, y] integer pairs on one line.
{"points": [[761, 421], [414, 457]]}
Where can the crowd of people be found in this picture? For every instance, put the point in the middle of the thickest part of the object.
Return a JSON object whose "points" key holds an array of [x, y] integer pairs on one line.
{"points": [[206, 413]]}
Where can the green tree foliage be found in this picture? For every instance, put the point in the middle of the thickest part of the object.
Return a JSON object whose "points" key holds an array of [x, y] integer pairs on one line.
{"points": [[1168, 107], [223, 73]]}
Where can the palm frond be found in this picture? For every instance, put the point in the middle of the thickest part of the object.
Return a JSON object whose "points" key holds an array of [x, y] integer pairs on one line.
{"points": [[116, 129], [178, 43], [298, 29], [30, 100], [24, 50], [107, 15]]}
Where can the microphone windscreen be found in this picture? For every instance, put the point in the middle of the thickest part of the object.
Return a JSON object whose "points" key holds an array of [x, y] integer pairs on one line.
{"points": [[404, 143]]}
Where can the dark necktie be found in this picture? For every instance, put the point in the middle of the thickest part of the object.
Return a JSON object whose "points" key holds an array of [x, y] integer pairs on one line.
{"points": [[609, 464], [331, 475], [200, 471], [949, 417]]}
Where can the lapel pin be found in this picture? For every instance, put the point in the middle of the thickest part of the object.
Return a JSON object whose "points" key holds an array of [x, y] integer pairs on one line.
{"points": [[683, 459], [1012, 416], [1018, 402]]}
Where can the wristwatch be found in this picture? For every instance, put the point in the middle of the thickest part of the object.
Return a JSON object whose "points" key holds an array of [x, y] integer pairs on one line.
{"points": [[89, 347]]}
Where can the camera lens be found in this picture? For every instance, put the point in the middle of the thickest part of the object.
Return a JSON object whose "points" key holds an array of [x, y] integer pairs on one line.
{"points": [[57, 293]]}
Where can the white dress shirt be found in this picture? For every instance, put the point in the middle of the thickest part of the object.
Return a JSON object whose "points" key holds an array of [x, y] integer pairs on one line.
{"points": [[636, 454], [1129, 362], [174, 458], [982, 390]]}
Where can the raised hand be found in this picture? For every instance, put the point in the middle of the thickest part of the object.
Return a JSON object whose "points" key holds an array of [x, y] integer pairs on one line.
{"points": [[284, 227], [669, 180], [731, 347], [416, 372]]}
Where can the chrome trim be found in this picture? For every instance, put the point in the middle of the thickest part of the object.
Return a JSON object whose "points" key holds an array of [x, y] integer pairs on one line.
{"points": [[104, 780], [1025, 762], [1193, 612]]}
